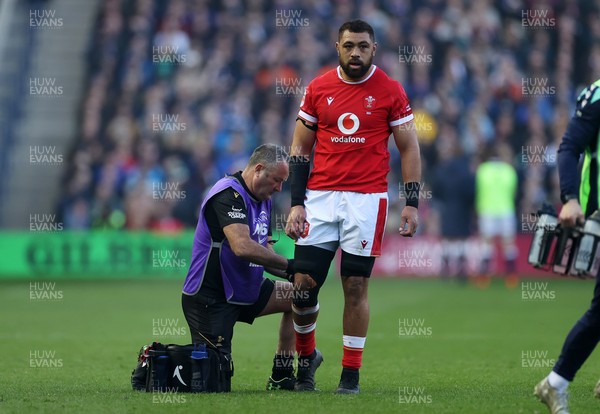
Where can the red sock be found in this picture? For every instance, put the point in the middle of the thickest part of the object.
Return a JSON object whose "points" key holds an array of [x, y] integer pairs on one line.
{"points": [[353, 351], [352, 358], [305, 339]]}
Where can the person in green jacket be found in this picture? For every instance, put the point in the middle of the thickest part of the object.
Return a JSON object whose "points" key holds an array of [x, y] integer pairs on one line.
{"points": [[496, 185]]}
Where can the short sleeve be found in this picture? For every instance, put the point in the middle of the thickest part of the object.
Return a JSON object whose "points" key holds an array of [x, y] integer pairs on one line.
{"points": [[308, 111], [229, 208]]}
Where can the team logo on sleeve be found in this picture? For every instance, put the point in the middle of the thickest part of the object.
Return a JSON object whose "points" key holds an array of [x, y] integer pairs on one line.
{"points": [[303, 98], [236, 213]]}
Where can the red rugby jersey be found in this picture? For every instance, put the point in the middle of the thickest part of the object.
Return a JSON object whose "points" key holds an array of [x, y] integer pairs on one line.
{"points": [[354, 124]]}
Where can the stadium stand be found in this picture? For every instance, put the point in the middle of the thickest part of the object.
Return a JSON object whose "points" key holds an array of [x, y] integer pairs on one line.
{"points": [[34, 56], [179, 92]]}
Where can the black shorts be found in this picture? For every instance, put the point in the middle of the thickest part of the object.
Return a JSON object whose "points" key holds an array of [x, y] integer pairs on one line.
{"points": [[215, 318]]}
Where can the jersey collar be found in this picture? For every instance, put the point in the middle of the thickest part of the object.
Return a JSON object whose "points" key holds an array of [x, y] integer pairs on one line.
{"points": [[238, 177], [339, 73]]}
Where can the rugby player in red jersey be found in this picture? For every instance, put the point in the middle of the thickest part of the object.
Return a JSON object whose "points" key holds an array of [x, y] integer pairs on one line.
{"points": [[347, 116]]}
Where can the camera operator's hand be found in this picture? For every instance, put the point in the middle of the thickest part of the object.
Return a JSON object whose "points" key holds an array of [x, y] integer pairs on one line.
{"points": [[571, 214]]}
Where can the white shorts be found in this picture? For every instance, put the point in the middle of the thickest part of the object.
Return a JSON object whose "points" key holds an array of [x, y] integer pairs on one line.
{"points": [[355, 220], [503, 226]]}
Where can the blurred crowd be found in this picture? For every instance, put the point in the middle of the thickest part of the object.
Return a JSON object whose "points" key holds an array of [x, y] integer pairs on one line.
{"points": [[179, 92]]}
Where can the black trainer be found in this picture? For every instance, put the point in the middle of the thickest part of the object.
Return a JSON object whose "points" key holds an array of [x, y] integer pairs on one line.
{"points": [[348, 382], [286, 383], [306, 371]]}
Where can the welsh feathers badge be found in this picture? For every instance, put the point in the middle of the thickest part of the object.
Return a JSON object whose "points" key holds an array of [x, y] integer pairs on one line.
{"points": [[369, 102]]}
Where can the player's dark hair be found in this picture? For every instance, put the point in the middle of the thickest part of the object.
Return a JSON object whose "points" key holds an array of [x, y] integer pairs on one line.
{"points": [[357, 26], [268, 155]]}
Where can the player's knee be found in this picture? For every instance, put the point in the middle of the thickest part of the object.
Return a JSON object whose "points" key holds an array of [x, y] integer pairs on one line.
{"points": [[353, 265], [303, 281], [314, 262], [305, 302], [355, 290]]}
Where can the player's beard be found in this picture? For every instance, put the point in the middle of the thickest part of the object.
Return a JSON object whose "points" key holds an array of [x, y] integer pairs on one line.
{"points": [[356, 73]]}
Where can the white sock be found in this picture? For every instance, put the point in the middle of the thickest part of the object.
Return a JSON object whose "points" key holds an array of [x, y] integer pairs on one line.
{"points": [[557, 382]]}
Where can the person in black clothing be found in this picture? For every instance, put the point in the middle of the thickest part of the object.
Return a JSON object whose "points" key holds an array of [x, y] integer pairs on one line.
{"points": [[232, 246], [580, 200], [454, 189]]}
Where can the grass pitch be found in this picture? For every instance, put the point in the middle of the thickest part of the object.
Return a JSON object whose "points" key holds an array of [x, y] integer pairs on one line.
{"points": [[433, 347]]}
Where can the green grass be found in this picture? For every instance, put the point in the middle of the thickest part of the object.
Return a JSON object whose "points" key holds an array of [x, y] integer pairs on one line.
{"points": [[471, 362]]}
